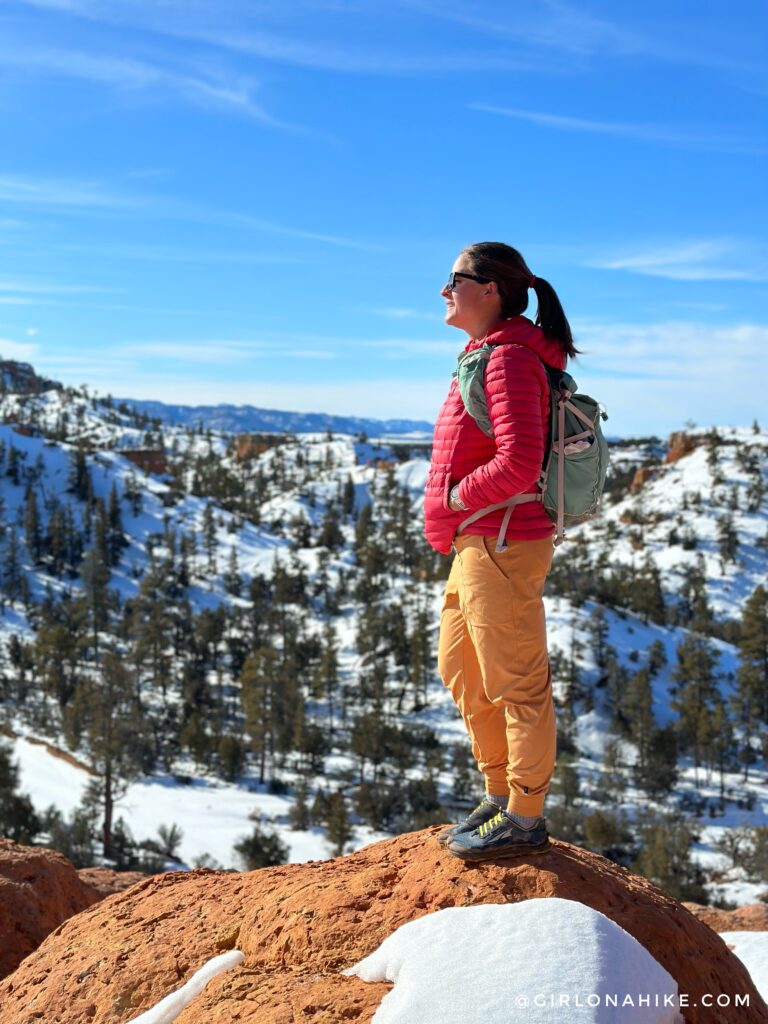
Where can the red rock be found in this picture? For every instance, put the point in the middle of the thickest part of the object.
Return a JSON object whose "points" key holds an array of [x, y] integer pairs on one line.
{"points": [[752, 918], [105, 881], [38, 890], [681, 444], [642, 475], [300, 925]]}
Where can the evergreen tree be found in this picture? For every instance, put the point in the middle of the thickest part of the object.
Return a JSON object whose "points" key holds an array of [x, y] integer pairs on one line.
{"points": [[263, 848], [95, 574], [665, 858], [12, 571], [638, 705], [259, 682], [233, 581], [696, 691], [80, 483], [727, 539], [18, 821], [113, 730], [115, 534], [299, 814], [337, 825], [32, 528], [753, 646]]}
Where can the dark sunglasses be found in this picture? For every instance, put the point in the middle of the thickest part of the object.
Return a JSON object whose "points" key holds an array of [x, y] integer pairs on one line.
{"points": [[473, 277]]}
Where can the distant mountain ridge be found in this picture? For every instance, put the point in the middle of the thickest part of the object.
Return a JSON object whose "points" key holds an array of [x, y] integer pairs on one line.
{"points": [[238, 418]]}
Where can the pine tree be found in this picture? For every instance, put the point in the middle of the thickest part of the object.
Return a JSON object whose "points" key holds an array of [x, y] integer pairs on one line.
{"points": [[12, 571], [753, 645], [728, 539], [263, 848], [233, 581], [750, 700], [115, 534], [258, 693], [299, 814], [95, 574], [696, 691], [209, 537], [638, 705], [113, 728], [665, 858], [337, 823], [18, 821], [32, 527], [80, 483]]}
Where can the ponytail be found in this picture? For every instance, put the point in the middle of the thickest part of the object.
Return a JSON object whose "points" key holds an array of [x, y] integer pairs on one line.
{"points": [[504, 265], [550, 316]]}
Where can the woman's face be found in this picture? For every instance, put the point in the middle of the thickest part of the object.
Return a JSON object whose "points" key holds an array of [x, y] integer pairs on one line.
{"points": [[469, 303]]}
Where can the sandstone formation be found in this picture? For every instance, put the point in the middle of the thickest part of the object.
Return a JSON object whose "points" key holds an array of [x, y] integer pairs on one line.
{"points": [[299, 926], [642, 475], [106, 881], [38, 890], [681, 444], [753, 918]]}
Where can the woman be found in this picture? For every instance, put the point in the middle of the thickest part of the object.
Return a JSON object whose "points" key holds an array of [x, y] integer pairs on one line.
{"points": [[493, 648]]}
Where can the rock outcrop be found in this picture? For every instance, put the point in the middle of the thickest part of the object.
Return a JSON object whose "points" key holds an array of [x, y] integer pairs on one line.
{"points": [[299, 926], [681, 444], [106, 881], [38, 890], [753, 918]]}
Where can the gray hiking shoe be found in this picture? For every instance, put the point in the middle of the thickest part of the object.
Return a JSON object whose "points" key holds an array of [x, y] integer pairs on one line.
{"points": [[499, 838], [484, 811]]}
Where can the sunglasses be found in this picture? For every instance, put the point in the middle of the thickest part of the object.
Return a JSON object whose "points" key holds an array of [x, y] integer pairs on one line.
{"points": [[472, 277]]}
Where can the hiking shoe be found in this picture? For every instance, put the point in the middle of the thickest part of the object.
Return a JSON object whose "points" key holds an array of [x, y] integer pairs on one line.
{"points": [[484, 811], [500, 837]]}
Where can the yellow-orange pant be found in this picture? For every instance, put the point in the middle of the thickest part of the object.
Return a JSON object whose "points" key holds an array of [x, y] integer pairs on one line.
{"points": [[492, 656]]}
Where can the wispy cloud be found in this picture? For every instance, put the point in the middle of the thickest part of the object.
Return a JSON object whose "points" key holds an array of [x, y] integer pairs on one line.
{"points": [[711, 138], [24, 351], [62, 193], [83, 196], [541, 36], [704, 260], [651, 378], [676, 350], [183, 254], [399, 348], [233, 92], [38, 288], [401, 313], [239, 29], [214, 350]]}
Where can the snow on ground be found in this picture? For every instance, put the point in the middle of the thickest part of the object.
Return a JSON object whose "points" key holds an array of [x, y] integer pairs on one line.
{"points": [[475, 964], [168, 1009], [752, 949], [211, 814]]}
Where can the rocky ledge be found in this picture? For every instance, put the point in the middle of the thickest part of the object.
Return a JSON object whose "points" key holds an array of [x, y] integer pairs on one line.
{"points": [[299, 926]]}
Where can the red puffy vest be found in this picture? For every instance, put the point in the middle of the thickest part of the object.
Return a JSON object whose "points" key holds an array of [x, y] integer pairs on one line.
{"points": [[492, 469]]}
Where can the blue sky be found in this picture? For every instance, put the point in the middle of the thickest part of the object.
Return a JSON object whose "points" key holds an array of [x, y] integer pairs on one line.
{"points": [[258, 202]]}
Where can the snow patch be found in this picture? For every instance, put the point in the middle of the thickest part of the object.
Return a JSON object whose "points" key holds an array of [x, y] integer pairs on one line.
{"points": [[168, 1009], [462, 963], [752, 949]]}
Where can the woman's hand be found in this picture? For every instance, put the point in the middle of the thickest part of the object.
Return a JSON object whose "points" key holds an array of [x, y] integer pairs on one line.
{"points": [[454, 501]]}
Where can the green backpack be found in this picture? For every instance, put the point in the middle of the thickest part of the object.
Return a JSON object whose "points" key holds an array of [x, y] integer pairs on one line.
{"points": [[575, 456]]}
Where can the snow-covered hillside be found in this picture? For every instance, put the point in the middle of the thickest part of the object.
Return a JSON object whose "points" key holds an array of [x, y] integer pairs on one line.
{"points": [[273, 610]]}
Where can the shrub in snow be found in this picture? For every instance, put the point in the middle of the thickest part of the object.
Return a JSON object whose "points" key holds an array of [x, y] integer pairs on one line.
{"points": [[534, 962]]}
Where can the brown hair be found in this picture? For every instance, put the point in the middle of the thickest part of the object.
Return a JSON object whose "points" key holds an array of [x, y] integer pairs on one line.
{"points": [[504, 265]]}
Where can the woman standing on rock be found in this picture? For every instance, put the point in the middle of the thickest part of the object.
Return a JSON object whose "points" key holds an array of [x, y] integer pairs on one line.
{"points": [[493, 648]]}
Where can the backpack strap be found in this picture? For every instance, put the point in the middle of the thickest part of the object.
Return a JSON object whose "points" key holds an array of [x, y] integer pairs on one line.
{"points": [[509, 505]]}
